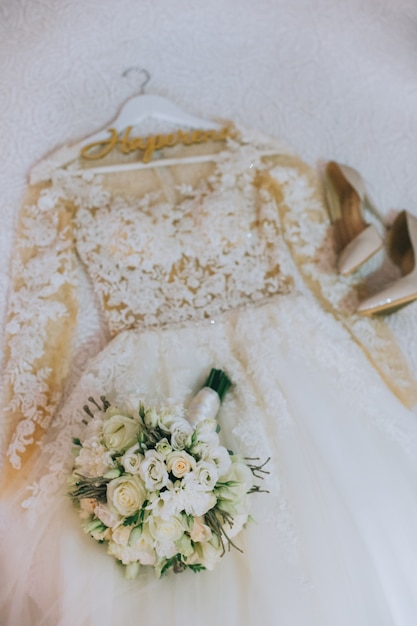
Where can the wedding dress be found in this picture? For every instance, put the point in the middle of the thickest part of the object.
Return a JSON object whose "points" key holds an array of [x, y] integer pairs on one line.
{"points": [[135, 284]]}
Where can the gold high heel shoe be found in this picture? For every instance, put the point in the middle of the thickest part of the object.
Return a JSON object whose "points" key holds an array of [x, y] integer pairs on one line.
{"points": [[356, 240], [402, 248]]}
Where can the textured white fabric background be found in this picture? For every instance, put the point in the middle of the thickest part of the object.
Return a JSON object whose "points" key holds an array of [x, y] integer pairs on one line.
{"points": [[334, 79]]}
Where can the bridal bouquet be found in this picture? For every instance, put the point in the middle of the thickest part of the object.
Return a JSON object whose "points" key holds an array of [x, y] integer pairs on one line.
{"points": [[157, 487]]}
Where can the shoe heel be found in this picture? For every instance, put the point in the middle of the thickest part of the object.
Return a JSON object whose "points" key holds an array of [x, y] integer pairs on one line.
{"points": [[402, 247]]}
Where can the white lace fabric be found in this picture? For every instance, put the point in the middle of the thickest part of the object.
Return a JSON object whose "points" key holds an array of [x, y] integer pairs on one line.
{"points": [[161, 260], [161, 248]]}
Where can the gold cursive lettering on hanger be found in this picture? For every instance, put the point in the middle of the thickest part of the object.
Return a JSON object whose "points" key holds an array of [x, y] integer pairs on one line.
{"points": [[149, 145]]}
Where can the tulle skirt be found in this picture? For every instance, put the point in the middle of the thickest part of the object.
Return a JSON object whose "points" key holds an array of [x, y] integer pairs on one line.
{"points": [[334, 542]]}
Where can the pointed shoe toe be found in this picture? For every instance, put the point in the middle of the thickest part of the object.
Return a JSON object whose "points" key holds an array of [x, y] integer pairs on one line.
{"points": [[402, 249]]}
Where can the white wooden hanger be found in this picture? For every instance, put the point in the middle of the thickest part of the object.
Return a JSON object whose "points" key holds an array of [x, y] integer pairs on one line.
{"points": [[141, 108], [135, 111]]}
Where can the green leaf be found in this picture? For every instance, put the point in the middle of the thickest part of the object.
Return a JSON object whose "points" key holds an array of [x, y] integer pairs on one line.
{"points": [[133, 519], [196, 567], [168, 563], [76, 442]]}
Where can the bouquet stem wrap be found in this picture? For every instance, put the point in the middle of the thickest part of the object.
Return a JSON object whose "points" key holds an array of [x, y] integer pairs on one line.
{"points": [[206, 404]]}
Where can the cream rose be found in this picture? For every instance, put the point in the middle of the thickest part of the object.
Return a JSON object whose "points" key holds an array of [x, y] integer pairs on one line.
{"points": [[200, 531], [180, 463], [125, 495], [120, 432]]}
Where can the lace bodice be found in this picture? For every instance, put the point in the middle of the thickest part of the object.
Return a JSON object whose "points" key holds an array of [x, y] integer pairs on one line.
{"points": [[191, 253], [165, 246]]}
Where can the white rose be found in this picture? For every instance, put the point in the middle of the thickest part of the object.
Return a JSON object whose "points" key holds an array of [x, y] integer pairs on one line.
{"points": [[125, 495], [131, 460], [206, 475], [181, 432], [153, 470], [120, 432], [165, 530], [180, 463]]}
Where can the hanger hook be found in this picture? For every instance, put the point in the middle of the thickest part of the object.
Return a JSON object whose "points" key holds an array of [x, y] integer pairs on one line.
{"points": [[140, 70]]}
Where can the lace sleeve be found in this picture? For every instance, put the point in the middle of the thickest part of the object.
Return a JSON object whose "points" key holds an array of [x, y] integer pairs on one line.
{"points": [[41, 318], [310, 238]]}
